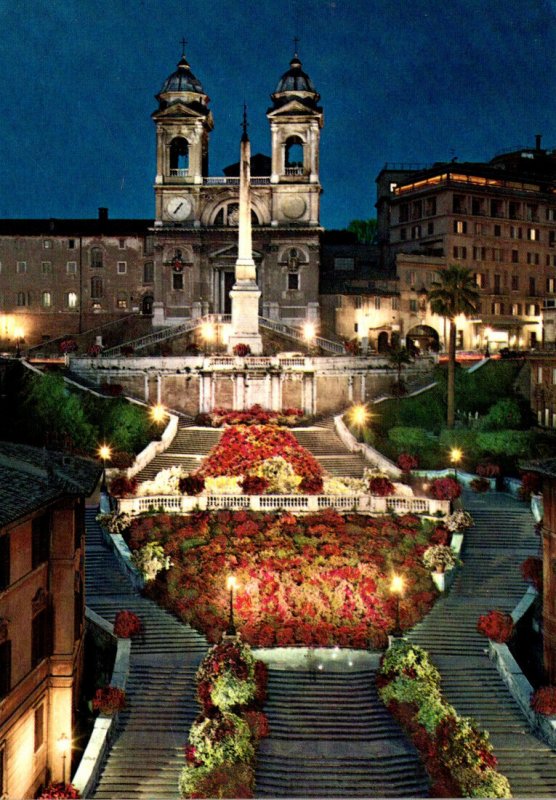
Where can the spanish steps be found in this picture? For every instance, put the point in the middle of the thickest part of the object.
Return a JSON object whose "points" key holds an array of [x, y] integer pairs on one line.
{"points": [[330, 735]]}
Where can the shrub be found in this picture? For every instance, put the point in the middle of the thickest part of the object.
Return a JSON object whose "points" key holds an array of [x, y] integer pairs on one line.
{"points": [[502, 415], [445, 489], [407, 462], [223, 737], [121, 486], [67, 345], [94, 350], [191, 484], [311, 485], [459, 520], [109, 700], [381, 487], [531, 483], [412, 440], [543, 701], [150, 560], [439, 557], [242, 350], [254, 484], [496, 625], [60, 791], [258, 724], [507, 443], [127, 624], [532, 572], [480, 485], [226, 780], [115, 523]]}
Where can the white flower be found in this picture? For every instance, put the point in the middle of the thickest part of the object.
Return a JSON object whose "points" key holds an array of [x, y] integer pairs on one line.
{"points": [[166, 482]]}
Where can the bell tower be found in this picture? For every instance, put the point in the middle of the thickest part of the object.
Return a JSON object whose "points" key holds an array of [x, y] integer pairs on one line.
{"points": [[295, 121], [183, 123]]}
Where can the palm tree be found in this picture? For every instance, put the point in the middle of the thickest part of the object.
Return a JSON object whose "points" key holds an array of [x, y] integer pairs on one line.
{"points": [[399, 357], [454, 293]]}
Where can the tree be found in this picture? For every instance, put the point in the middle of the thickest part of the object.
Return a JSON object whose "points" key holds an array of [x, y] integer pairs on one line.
{"points": [[453, 294], [399, 357], [364, 229]]}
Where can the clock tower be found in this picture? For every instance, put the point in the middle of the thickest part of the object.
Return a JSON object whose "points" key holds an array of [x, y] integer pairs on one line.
{"points": [[183, 123]]}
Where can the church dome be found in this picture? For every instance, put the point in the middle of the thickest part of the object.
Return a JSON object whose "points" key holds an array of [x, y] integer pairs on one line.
{"points": [[295, 80], [182, 80]]}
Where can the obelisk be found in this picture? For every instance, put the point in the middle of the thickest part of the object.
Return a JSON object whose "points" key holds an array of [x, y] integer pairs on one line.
{"points": [[245, 293]]}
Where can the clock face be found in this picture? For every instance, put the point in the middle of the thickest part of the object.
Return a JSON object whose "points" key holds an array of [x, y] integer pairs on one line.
{"points": [[178, 208]]}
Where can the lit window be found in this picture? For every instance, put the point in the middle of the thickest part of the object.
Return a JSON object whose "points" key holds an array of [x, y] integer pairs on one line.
{"points": [[377, 303], [533, 234], [121, 300], [539, 374], [71, 300], [395, 303], [21, 267], [46, 299], [47, 244], [39, 726], [71, 267], [413, 305], [460, 226], [46, 267], [550, 285], [121, 244], [122, 267]]}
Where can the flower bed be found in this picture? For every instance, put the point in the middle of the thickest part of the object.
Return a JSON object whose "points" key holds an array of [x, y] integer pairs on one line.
{"points": [[109, 700], [320, 579], [127, 624], [456, 754], [220, 755], [60, 791], [256, 415], [496, 625]]}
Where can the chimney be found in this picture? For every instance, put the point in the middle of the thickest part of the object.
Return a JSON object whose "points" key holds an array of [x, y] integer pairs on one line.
{"points": [[538, 138], [102, 214]]}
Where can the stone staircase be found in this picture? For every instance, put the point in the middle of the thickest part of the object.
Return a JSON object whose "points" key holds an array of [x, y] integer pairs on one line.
{"points": [[330, 736], [147, 755], [189, 447], [329, 450], [502, 537]]}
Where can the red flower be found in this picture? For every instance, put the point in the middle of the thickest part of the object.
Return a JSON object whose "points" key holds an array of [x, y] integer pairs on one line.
{"points": [[496, 625], [127, 624], [543, 701], [382, 487], [531, 569], [445, 489]]}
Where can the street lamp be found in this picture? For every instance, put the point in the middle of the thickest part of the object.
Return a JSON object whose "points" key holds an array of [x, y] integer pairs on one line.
{"points": [[397, 586], [359, 415], [309, 334], [19, 336], [208, 333], [158, 413], [64, 746], [232, 583], [455, 457], [104, 453]]}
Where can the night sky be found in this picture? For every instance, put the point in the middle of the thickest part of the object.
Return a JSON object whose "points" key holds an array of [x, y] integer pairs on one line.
{"points": [[412, 81]]}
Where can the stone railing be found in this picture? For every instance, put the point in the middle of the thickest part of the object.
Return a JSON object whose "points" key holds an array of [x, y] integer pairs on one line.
{"points": [[92, 760], [155, 447], [296, 503], [371, 455]]}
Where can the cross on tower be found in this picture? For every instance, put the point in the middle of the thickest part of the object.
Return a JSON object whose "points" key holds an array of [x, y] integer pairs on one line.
{"points": [[183, 43]]}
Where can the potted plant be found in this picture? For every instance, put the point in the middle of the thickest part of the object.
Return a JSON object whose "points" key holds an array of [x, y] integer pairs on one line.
{"points": [[439, 558]]}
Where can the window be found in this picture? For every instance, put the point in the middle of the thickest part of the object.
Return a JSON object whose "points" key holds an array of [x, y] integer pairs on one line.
{"points": [[515, 232], [480, 279], [294, 156], [498, 230], [122, 267], [21, 267], [430, 228], [533, 234], [460, 252], [481, 229], [121, 244], [478, 206], [551, 214], [71, 299], [5, 679], [531, 212], [533, 310], [516, 309], [404, 212], [533, 258], [177, 281], [39, 726], [40, 529], [479, 253], [514, 210], [539, 374], [40, 637], [23, 299], [377, 303], [497, 284], [515, 256], [4, 561], [551, 238], [121, 300], [550, 285], [403, 234], [460, 226], [96, 288], [413, 305], [71, 244], [497, 254], [71, 267], [459, 340], [532, 286], [148, 245], [459, 204], [46, 267], [47, 244], [148, 272], [293, 281], [515, 283], [395, 303], [46, 300], [416, 232], [410, 278], [344, 264], [497, 309], [97, 257], [496, 208], [430, 206]]}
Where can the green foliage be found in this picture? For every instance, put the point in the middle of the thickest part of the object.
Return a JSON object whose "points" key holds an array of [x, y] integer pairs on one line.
{"points": [[505, 413], [223, 738], [128, 425], [56, 417], [463, 438], [505, 443], [412, 440], [364, 229]]}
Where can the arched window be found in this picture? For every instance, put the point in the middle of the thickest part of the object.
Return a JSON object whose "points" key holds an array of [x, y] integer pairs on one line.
{"points": [[179, 157], [71, 300], [229, 215], [46, 299], [97, 257], [23, 299], [96, 288], [293, 258], [294, 156]]}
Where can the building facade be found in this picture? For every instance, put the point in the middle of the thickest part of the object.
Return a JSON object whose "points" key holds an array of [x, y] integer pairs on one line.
{"points": [[41, 611], [498, 219], [67, 276]]}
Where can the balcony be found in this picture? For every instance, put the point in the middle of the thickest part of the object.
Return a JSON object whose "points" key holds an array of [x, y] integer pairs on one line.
{"points": [[294, 171], [179, 173], [225, 181]]}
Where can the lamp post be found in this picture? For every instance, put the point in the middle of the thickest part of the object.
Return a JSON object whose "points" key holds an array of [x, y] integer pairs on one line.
{"points": [[18, 334], [158, 413], [208, 332], [309, 334], [455, 457], [232, 583], [104, 452], [64, 745], [359, 415], [397, 585]]}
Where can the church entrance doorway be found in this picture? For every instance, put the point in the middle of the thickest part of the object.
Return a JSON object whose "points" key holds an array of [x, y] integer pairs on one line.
{"points": [[147, 305], [226, 301], [422, 339]]}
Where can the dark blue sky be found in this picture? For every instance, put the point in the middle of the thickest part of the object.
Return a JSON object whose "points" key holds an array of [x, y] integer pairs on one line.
{"points": [[417, 81]]}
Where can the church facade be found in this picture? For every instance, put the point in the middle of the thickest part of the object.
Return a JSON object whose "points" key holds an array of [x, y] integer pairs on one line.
{"points": [[66, 276]]}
